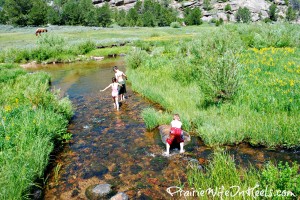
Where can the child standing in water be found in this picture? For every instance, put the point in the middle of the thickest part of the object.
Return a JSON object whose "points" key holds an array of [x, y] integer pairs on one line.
{"points": [[175, 134], [114, 86], [119, 76]]}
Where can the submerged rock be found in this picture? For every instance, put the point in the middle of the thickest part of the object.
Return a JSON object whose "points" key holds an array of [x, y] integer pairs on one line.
{"points": [[120, 196], [100, 191], [164, 131]]}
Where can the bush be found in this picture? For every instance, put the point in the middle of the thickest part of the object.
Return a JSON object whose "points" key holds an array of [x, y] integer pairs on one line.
{"points": [[227, 7], [175, 25], [273, 12], [135, 58], [243, 15], [291, 14]]}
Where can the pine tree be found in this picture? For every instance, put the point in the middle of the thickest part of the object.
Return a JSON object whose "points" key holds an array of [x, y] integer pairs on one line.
{"points": [[16, 11], [38, 13]]}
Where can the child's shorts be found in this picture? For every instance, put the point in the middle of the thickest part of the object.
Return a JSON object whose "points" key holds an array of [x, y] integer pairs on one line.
{"points": [[175, 135]]}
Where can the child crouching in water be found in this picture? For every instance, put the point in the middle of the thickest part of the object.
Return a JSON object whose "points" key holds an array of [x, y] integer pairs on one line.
{"points": [[175, 134], [114, 86]]}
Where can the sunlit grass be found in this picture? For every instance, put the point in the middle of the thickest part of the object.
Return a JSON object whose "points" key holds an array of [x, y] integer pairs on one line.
{"points": [[32, 120], [228, 92]]}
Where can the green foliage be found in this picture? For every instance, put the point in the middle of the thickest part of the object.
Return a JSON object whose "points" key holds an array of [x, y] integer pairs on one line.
{"points": [[243, 15], [207, 5], [17, 11], [175, 25], [291, 14], [281, 177], [273, 12], [54, 16], [71, 13], [32, 119], [38, 13], [219, 22], [223, 93], [104, 15], [153, 118], [86, 47], [222, 171], [227, 7], [135, 58], [193, 16]]}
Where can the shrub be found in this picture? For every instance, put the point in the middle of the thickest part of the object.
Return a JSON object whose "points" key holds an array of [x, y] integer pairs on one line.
{"points": [[291, 14], [219, 22], [273, 12], [175, 25], [135, 58], [227, 7], [243, 15]]}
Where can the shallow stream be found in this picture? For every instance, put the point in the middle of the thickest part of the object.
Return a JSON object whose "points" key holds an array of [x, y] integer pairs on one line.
{"points": [[114, 147]]}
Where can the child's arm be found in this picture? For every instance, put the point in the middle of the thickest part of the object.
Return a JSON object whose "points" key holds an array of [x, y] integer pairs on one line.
{"points": [[105, 88], [124, 75]]}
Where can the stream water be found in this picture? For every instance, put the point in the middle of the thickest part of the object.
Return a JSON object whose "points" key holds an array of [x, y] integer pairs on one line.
{"points": [[114, 147]]}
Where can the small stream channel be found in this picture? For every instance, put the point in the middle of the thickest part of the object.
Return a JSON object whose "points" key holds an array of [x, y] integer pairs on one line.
{"points": [[115, 147]]}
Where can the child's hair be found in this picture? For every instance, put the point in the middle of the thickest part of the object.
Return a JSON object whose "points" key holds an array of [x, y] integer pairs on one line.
{"points": [[176, 116], [115, 68], [114, 80]]}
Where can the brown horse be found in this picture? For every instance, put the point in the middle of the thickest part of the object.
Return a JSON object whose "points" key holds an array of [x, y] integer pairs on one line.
{"points": [[40, 30]]}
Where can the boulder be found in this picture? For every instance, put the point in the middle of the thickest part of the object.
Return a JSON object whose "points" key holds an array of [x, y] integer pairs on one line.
{"points": [[164, 131], [100, 191]]}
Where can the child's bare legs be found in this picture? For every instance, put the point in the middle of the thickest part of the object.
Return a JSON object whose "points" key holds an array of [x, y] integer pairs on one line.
{"points": [[116, 102], [167, 149], [181, 147]]}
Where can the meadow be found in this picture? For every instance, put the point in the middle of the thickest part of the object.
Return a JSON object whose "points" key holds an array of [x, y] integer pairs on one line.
{"points": [[227, 86], [230, 84]]}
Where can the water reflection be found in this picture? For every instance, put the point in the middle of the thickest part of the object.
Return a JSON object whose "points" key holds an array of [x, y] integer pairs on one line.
{"points": [[114, 147]]}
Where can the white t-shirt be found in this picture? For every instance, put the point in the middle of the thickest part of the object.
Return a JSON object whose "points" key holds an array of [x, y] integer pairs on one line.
{"points": [[176, 124]]}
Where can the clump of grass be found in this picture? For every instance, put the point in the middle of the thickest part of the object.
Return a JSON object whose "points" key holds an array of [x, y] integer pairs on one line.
{"points": [[222, 174], [32, 120], [154, 118]]}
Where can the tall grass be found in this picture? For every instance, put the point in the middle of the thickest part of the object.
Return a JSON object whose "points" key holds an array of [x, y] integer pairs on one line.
{"points": [[32, 121], [222, 174], [229, 92], [47, 48]]}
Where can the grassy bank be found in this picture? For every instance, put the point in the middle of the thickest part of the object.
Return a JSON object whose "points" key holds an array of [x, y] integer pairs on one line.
{"points": [[233, 84], [32, 120], [222, 179]]}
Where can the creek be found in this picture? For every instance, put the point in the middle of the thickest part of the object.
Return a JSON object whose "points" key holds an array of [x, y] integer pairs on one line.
{"points": [[114, 147]]}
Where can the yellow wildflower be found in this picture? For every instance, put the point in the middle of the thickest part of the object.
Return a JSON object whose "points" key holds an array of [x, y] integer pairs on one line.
{"points": [[7, 138], [7, 108]]}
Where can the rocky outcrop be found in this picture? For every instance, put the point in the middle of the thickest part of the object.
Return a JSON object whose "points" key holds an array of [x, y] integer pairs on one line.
{"points": [[258, 8]]}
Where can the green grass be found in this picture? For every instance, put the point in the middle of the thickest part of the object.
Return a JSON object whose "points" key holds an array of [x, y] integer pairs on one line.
{"points": [[221, 174], [225, 90], [66, 43], [32, 121]]}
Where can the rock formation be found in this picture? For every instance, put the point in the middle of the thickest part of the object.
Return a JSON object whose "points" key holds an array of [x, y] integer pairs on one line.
{"points": [[258, 8]]}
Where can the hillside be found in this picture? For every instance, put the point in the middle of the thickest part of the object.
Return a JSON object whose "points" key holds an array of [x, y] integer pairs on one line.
{"points": [[258, 8]]}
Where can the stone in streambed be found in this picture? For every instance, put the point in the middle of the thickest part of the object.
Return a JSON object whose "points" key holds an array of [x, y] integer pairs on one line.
{"points": [[98, 192], [120, 196]]}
